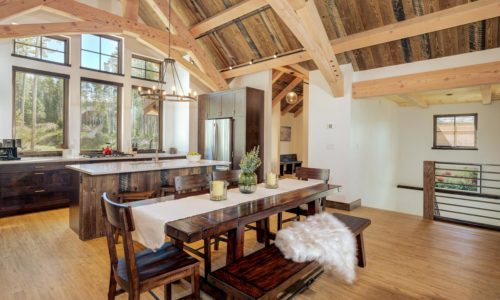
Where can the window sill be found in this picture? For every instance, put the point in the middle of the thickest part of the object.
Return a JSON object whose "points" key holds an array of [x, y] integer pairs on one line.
{"points": [[454, 148], [151, 80], [105, 72], [41, 60]]}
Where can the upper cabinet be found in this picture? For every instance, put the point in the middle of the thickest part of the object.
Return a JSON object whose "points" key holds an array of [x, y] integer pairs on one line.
{"points": [[227, 104]]}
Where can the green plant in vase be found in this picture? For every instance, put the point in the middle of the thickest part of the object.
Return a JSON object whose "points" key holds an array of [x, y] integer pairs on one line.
{"points": [[248, 164]]}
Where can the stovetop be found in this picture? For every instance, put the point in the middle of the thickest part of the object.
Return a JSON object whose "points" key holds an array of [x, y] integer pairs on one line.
{"points": [[100, 155]]}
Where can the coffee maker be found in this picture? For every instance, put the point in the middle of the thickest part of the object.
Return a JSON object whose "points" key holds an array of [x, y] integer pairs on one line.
{"points": [[8, 149]]}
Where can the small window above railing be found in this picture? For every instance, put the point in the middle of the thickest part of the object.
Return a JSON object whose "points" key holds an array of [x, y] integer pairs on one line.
{"points": [[455, 132]]}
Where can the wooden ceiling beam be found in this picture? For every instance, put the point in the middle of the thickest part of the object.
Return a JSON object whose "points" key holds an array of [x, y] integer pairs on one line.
{"points": [[298, 112], [293, 72], [201, 58], [130, 9], [486, 93], [227, 16], [11, 8], [409, 98], [89, 13], [277, 75], [291, 106], [443, 19], [304, 22], [26, 30], [286, 90], [474, 75]]}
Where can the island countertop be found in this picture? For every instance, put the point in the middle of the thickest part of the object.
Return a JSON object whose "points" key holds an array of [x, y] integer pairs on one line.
{"points": [[141, 166]]}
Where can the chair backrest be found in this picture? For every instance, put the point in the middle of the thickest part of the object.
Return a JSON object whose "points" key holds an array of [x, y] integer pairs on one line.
{"points": [[312, 173], [118, 218], [191, 183], [231, 176], [288, 157]]}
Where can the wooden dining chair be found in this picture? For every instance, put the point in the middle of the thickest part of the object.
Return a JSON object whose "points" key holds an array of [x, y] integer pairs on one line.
{"points": [[305, 174], [231, 176], [139, 272]]}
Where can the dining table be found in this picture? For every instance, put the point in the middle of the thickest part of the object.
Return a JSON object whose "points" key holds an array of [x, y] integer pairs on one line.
{"points": [[197, 218]]}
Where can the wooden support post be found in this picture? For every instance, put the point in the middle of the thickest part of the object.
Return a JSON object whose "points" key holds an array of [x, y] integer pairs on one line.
{"points": [[429, 189]]}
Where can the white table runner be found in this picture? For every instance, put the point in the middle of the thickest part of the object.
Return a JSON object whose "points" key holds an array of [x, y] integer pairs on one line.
{"points": [[150, 219]]}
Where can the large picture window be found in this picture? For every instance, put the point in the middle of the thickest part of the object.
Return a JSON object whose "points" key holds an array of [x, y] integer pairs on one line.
{"points": [[146, 133], [50, 49], [455, 131], [40, 101], [146, 68], [99, 108], [101, 53]]}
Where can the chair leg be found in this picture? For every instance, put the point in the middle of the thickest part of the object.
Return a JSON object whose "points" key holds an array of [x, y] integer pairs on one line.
{"points": [[361, 251], [195, 283], [280, 221], [168, 291], [112, 286], [134, 295], [267, 229]]}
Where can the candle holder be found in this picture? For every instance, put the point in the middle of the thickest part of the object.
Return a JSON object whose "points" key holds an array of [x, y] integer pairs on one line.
{"points": [[272, 181], [218, 190]]}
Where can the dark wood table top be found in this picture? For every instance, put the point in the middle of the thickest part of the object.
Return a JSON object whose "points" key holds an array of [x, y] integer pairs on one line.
{"points": [[211, 224]]}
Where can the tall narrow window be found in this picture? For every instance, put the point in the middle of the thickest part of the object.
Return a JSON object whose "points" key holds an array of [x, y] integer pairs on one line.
{"points": [[101, 53], [145, 123], [51, 49], [39, 109], [455, 131], [146, 68], [99, 115]]}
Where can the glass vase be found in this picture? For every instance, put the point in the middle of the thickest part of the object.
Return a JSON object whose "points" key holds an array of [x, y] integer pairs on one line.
{"points": [[247, 183]]}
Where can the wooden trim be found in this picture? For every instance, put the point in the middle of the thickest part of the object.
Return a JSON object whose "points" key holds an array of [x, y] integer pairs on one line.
{"points": [[429, 189], [286, 90], [10, 8], [473, 75], [43, 29], [130, 9], [226, 16], [435, 117], [486, 93], [276, 76]]}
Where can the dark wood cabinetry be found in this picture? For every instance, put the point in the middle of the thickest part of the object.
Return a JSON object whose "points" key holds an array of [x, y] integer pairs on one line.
{"points": [[34, 187], [246, 107]]}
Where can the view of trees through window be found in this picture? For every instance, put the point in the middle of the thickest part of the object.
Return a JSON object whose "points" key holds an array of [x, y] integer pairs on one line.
{"points": [[39, 111], [145, 68], [42, 47], [144, 125], [99, 116], [100, 53]]}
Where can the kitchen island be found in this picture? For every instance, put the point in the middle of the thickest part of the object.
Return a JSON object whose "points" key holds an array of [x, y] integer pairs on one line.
{"points": [[117, 177]]}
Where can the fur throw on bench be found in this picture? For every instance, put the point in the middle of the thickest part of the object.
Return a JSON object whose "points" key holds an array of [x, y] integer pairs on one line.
{"points": [[322, 238]]}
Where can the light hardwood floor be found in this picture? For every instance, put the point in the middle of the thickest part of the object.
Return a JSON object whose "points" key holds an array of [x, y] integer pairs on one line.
{"points": [[408, 258]]}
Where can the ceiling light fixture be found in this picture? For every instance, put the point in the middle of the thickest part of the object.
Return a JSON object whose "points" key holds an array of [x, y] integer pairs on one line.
{"points": [[275, 55], [159, 93], [291, 97]]}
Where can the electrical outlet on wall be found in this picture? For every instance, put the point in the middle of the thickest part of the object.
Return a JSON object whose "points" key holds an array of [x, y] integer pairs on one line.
{"points": [[329, 126]]}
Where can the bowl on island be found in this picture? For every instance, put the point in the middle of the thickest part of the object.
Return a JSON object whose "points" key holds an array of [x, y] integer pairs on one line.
{"points": [[193, 156]]}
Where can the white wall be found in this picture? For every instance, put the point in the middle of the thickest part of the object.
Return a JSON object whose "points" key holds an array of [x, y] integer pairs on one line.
{"points": [[295, 145], [176, 133], [263, 81]]}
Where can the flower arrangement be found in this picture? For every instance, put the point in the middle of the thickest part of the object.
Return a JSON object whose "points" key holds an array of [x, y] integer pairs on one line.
{"points": [[250, 161]]}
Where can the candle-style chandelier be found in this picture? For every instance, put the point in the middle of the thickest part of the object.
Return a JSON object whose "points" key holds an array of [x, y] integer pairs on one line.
{"points": [[159, 92]]}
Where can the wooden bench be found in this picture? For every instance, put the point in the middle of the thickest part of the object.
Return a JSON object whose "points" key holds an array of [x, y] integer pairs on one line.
{"points": [[266, 274], [288, 163]]}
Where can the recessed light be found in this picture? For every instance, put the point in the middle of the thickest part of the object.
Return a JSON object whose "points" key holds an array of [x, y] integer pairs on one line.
{"points": [[14, 23], [449, 94]]}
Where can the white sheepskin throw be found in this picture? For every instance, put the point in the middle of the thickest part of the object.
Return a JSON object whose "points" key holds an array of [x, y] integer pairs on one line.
{"points": [[322, 238]]}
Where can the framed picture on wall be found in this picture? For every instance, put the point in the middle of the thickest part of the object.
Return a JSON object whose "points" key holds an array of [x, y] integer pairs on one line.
{"points": [[286, 133]]}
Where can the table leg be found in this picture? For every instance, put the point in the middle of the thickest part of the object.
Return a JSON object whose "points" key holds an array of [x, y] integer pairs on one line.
{"points": [[178, 244], [361, 250], [314, 207], [235, 244], [207, 256]]}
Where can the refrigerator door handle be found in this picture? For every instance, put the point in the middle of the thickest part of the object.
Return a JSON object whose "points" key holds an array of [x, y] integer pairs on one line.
{"points": [[215, 140]]}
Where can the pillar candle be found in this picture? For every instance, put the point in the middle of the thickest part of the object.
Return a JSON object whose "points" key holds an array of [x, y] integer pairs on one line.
{"points": [[217, 188], [271, 179]]}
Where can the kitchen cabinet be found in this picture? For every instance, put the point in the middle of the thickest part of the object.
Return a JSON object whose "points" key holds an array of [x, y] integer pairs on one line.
{"points": [[245, 107]]}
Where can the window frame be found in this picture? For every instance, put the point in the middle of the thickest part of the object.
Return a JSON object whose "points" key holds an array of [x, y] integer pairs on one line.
{"points": [[119, 125], [146, 59], [160, 116], [119, 58], [60, 38], [438, 147], [66, 78]]}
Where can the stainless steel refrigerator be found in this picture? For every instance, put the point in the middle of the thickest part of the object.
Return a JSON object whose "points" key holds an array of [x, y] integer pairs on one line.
{"points": [[219, 139]]}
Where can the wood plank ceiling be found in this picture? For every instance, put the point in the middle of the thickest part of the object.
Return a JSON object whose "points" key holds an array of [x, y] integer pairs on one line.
{"points": [[261, 33]]}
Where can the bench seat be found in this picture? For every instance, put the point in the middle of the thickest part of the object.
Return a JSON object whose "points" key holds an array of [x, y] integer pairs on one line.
{"points": [[267, 274]]}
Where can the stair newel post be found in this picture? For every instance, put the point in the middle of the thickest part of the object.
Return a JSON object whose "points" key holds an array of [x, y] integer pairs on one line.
{"points": [[429, 189]]}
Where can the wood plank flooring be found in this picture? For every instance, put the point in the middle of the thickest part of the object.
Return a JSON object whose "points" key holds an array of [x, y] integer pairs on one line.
{"points": [[408, 258]]}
